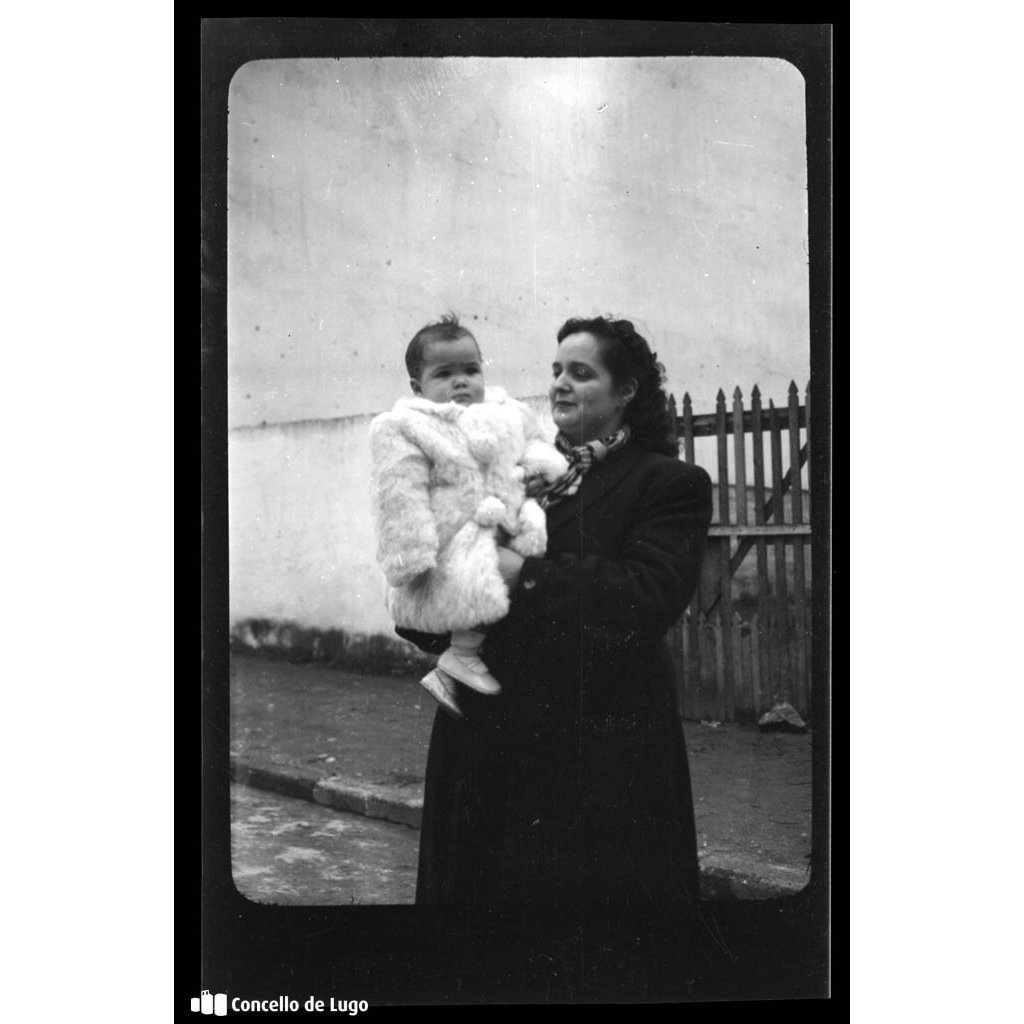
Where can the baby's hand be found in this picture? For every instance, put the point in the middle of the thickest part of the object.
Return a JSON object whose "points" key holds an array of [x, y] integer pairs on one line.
{"points": [[509, 565]]}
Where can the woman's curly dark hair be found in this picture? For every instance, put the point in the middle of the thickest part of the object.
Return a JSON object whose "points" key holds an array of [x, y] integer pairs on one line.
{"points": [[626, 356]]}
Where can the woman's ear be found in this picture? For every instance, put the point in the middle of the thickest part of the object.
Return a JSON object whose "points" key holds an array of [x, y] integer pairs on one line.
{"points": [[628, 392], [415, 385]]}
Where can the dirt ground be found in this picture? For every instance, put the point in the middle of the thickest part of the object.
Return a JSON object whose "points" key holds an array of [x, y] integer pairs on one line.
{"points": [[751, 792]]}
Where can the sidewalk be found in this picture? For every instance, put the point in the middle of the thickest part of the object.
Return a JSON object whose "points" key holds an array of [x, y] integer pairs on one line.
{"points": [[357, 742]]}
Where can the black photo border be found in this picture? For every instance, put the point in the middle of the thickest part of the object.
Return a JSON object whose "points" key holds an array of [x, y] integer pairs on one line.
{"points": [[413, 955]]}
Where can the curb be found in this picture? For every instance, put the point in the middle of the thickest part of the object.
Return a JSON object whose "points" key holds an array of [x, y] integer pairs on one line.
{"points": [[337, 792], [371, 801], [288, 781], [723, 876]]}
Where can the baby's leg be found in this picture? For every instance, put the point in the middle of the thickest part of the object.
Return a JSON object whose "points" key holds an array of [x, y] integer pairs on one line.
{"points": [[442, 688], [462, 661]]}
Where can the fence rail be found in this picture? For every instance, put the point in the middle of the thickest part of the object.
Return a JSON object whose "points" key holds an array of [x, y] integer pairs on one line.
{"points": [[744, 643]]}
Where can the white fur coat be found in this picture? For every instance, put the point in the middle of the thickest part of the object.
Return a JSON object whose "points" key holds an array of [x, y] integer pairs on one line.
{"points": [[445, 477]]}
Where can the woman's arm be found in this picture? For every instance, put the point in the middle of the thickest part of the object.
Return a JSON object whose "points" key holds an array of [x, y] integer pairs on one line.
{"points": [[637, 594]]}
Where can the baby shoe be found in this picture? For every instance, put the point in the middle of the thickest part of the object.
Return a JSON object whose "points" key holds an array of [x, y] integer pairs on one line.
{"points": [[468, 669], [442, 689]]}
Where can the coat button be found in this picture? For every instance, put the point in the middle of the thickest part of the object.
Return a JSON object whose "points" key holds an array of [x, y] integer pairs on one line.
{"points": [[529, 584]]}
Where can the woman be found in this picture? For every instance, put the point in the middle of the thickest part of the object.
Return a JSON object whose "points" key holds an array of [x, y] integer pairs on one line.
{"points": [[573, 785]]}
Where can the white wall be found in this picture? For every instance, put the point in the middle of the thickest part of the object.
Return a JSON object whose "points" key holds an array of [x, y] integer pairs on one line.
{"points": [[301, 541], [301, 544], [367, 196]]}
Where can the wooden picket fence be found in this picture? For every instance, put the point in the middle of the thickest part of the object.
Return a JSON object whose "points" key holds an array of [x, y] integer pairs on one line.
{"points": [[744, 645]]}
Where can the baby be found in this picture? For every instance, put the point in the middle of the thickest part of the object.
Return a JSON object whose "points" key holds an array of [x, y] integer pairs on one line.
{"points": [[450, 467]]}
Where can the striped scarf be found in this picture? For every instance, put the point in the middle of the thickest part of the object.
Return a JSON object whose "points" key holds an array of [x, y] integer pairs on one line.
{"points": [[581, 458]]}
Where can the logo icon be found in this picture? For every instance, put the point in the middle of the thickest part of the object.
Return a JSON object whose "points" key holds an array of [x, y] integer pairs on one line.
{"points": [[216, 1005]]}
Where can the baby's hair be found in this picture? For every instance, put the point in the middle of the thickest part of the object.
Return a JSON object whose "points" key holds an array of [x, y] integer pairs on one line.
{"points": [[447, 328]]}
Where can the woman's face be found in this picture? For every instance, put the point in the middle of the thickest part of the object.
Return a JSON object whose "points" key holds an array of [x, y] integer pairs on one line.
{"points": [[586, 405]]}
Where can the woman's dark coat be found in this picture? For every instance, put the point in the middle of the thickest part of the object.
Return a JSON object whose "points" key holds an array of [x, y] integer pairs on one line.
{"points": [[573, 784]]}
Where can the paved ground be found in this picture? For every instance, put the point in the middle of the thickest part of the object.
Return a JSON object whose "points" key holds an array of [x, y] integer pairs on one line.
{"points": [[290, 851], [354, 741]]}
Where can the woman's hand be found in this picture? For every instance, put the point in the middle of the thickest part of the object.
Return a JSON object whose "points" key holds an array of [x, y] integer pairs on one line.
{"points": [[509, 565], [535, 486]]}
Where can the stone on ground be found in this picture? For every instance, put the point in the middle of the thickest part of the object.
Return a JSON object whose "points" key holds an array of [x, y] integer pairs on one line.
{"points": [[782, 718]]}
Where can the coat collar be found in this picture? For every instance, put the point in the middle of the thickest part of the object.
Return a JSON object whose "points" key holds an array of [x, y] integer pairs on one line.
{"points": [[602, 479], [445, 410]]}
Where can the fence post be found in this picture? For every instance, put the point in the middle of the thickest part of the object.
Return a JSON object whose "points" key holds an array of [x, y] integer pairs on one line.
{"points": [[755, 661], [797, 505], [757, 438], [739, 438], [708, 690], [688, 452], [743, 684], [809, 679], [725, 568]]}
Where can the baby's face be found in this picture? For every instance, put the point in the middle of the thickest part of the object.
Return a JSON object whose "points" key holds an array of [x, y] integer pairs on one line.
{"points": [[452, 372]]}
